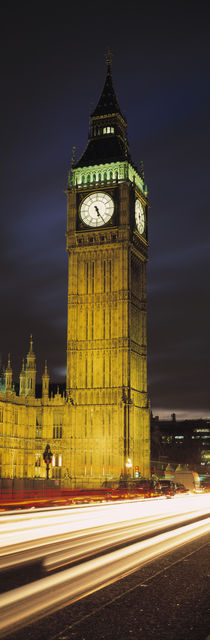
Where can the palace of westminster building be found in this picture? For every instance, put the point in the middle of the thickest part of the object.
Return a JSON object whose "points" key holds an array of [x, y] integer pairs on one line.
{"points": [[100, 427]]}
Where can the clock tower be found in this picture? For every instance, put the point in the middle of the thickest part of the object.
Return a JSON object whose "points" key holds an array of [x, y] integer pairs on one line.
{"points": [[106, 336]]}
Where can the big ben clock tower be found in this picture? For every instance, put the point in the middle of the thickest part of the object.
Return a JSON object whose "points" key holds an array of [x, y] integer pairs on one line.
{"points": [[106, 338]]}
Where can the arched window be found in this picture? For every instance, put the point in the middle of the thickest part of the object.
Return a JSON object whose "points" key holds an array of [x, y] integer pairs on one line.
{"points": [[116, 175], [88, 177], [83, 179], [111, 176], [105, 176], [94, 177], [99, 177]]}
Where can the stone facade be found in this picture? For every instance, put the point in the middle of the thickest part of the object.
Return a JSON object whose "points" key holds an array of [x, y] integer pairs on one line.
{"points": [[28, 424]]}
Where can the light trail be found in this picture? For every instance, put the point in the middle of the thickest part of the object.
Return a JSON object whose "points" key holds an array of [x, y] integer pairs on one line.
{"points": [[20, 527], [25, 604], [65, 549]]}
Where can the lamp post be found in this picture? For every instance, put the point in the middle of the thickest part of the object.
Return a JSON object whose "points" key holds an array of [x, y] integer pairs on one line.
{"points": [[47, 456], [126, 399]]}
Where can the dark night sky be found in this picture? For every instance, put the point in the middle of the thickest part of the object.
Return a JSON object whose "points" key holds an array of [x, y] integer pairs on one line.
{"points": [[52, 73]]}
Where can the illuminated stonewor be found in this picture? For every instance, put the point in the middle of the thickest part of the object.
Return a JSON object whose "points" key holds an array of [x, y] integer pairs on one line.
{"points": [[28, 424], [106, 341]]}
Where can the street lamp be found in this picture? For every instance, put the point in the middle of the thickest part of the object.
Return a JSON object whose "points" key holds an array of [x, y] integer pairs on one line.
{"points": [[126, 399], [47, 456]]}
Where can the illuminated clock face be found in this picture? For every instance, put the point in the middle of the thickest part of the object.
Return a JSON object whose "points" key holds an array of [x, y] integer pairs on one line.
{"points": [[97, 209], [139, 216]]}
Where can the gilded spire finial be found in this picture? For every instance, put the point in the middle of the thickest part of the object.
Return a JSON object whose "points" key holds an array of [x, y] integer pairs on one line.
{"points": [[108, 56], [31, 344]]}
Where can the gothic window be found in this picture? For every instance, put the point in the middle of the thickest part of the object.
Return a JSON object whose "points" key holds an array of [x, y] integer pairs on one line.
{"points": [[108, 129], [86, 276], [110, 324], [37, 465], [109, 371], [57, 432], [105, 176], [85, 423], [92, 276], [103, 370], [86, 328], [86, 368], [99, 177], [109, 274], [92, 328], [38, 433], [56, 465], [57, 425], [92, 371]]}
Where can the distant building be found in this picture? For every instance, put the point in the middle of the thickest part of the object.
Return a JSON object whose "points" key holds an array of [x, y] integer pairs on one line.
{"points": [[101, 427], [181, 442]]}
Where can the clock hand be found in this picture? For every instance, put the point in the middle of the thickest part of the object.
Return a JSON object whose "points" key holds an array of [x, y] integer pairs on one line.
{"points": [[98, 213]]}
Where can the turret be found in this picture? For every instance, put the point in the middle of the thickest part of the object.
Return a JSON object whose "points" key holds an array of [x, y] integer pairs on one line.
{"points": [[22, 387], [30, 371], [8, 376], [45, 383]]}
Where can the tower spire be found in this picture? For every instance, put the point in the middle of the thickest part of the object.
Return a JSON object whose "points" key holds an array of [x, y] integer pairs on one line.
{"points": [[8, 375], [45, 383], [22, 380], [107, 141], [30, 370]]}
